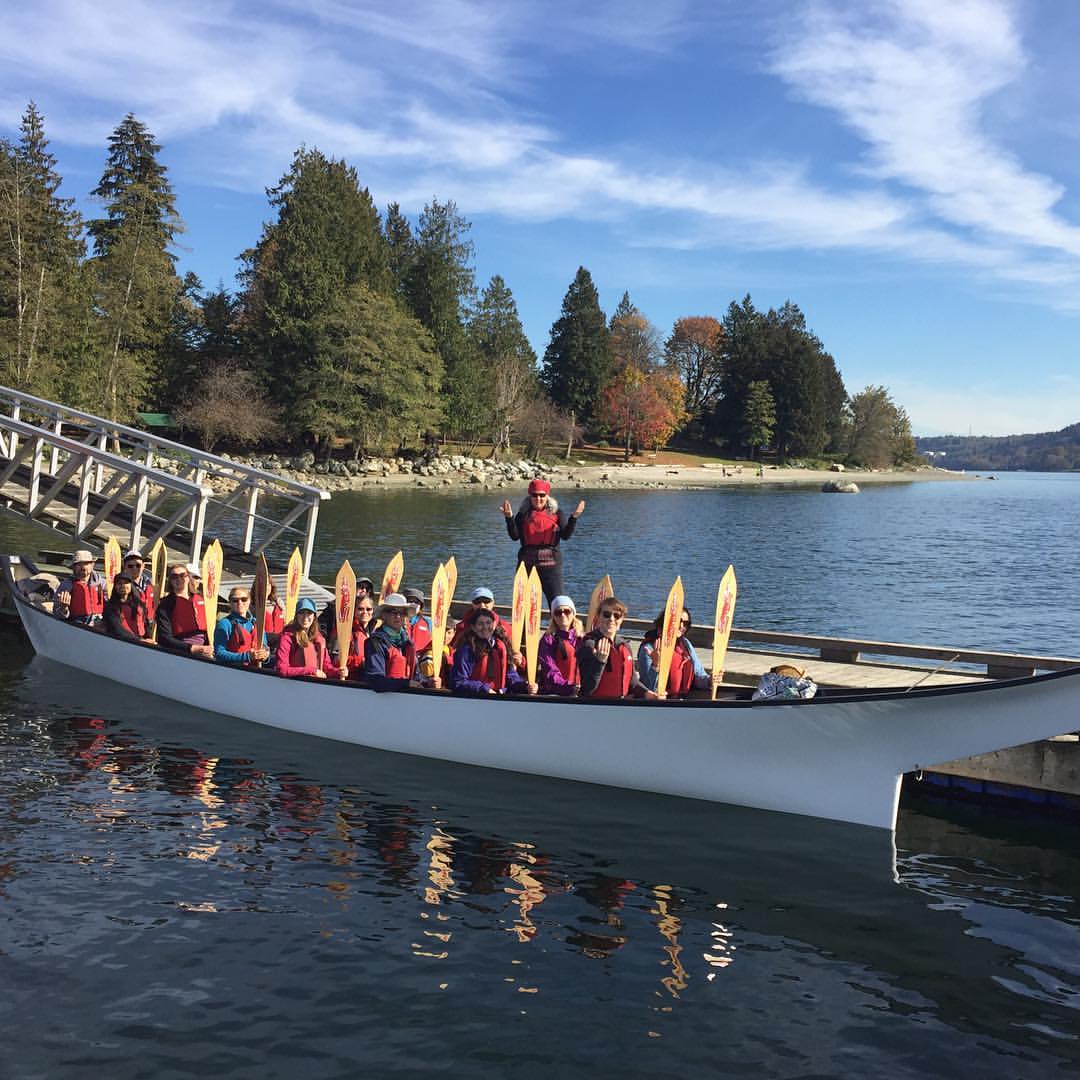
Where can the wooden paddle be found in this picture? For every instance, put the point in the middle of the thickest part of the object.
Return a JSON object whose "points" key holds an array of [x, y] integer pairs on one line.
{"points": [[725, 614], [533, 629], [292, 584], [665, 643], [451, 578], [517, 608], [440, 615], [392, 575], [344, 603], [159, 574], [211, 577], [603, 590], [114, 560], [260, 590]]}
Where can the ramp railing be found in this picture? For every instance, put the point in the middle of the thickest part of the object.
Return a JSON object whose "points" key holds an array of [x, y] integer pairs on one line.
{"points": [[250, 508]]}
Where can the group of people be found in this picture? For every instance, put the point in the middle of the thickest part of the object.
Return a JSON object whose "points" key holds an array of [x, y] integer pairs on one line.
{"points": [[390, 643]]}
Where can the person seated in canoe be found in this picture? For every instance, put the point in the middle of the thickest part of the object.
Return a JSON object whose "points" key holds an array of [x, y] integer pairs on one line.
{"points": [[538, 526], [390, 656], [274, 619], [234, 636], [302, 649], [686, 672], [363, 627], [483, 599], [482, 662], [365, 588], [605, 666], [556, 668], [80, 597], [181, 616], [125, 613], [420, 632], [135, 568]]}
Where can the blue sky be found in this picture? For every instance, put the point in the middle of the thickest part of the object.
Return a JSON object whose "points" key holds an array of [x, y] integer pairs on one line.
{"points": [[907, 171]]}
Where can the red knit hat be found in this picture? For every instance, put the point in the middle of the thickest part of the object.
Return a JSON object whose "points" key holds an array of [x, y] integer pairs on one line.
{"points": [[539, 487]]}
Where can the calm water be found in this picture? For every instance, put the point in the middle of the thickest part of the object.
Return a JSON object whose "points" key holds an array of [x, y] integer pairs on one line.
{"points": [[186, 895]]}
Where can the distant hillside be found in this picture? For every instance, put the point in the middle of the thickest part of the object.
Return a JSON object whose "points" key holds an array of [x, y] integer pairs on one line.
{"points": [[1051, 451]]}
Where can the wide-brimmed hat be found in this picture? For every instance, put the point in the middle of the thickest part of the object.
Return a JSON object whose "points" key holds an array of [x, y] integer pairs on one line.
{"points": [[82, 555], [396, 602]]}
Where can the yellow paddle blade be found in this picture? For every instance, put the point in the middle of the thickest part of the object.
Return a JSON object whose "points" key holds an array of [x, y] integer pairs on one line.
{"points": [[725, 616], [533, 628], [665, 644], [344, 605], [451, 577], [114, 560], [392, 575], [292, 584], [440, 614], [158, 555], [211, 575], [603, 590], [517, 607]]}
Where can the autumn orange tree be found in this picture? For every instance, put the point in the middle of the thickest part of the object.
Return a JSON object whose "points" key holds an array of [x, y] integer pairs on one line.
{"points": [[693, 350], [642, 408]]}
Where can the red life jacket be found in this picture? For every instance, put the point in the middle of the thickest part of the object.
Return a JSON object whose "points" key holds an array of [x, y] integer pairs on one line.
{"points": [[188, 616], [462, 628], [87, 598], [539, 528], [133, 616], [307, 656], [400, 664], [491, 667], [146, 591], [681, 674], [241, 639], [618, 674], [357, 648], [420, 632], [566, 660], [274, 621]]}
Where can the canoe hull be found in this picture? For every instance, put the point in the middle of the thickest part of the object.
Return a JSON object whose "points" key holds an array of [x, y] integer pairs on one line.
{"points": [[841, 758]]}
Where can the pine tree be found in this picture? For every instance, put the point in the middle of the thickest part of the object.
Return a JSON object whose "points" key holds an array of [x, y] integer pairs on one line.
{"points": [[439, 287], [44, 301], [326, 239], [577, 360], [400, 246], [136, 285], [759, 416], [509, 362]]}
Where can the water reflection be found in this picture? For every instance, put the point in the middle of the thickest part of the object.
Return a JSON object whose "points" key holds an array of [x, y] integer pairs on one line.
{"points": [[285, 862]]}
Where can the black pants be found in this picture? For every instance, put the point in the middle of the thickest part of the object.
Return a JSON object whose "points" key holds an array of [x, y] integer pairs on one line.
{"points": [[551, 579]]}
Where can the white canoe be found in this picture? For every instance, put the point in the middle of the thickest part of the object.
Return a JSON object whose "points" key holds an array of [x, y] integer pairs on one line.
{"points": [[841, 755]]}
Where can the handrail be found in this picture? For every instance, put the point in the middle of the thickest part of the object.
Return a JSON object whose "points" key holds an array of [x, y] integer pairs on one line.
{"points": [[144, 437]]}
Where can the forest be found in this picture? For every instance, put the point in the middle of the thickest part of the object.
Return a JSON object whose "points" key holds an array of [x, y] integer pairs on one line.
{"points": [[1051, 451], [366, 329]]}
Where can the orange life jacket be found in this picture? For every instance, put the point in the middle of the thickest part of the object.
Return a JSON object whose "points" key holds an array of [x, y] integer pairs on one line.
{"points": [[420, 632], [491, 667]]}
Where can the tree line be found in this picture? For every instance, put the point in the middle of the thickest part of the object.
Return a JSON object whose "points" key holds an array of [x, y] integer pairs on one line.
{"points": [[351, 324], [1051, 451]]}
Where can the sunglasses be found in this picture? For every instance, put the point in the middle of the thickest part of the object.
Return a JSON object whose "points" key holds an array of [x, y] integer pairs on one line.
{"points": [[610, 615], [684, 622], [564, 611], [239, 599], [177, 577]]}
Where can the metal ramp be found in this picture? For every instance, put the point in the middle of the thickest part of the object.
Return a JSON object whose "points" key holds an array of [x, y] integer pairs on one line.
{"points": [[90, 479]]}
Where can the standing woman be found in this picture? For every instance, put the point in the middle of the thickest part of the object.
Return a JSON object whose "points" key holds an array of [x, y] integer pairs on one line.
{"points": [[557, 671], [538, 526]]}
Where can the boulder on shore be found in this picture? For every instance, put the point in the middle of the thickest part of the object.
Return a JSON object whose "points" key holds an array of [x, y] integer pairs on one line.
{"points": [[843, 487]]}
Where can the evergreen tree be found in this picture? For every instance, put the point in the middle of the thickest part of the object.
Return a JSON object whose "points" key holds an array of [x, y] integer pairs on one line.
{"points": [[759, 416], [577, 361], [45, 304], [509, 362], [400, 247], [136, 286], [624, 309], [326, 239], [439, 288]]}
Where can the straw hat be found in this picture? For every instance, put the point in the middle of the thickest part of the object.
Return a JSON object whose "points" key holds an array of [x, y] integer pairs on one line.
{"points": [[396, 602]]}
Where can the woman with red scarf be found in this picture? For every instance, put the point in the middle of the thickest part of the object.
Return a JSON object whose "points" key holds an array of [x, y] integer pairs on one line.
{"points": [[538, 526]]}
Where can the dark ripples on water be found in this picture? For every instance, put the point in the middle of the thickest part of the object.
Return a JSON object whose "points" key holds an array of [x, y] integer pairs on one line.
{"points": [[185, 895]]}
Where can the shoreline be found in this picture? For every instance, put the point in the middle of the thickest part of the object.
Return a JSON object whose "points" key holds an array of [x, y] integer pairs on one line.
{"points": [[455, 472]]}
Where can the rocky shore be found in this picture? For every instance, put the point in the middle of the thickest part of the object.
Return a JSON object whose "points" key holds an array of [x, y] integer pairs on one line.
{"points": [[457, 471]]}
